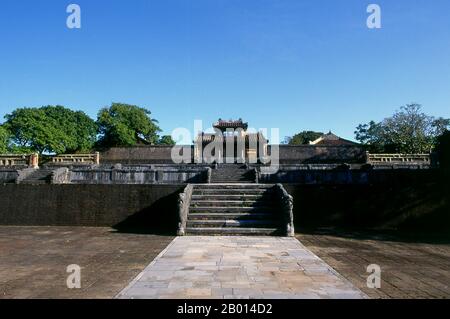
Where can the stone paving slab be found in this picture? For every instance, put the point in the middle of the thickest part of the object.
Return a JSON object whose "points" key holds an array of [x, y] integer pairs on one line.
{"points": [[238, 268]]}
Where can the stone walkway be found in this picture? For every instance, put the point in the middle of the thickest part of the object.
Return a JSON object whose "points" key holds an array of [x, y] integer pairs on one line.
{"points": [[238, 267]]}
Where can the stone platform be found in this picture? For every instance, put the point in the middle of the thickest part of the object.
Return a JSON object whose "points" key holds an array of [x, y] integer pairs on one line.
{"points": [[238, 267]]}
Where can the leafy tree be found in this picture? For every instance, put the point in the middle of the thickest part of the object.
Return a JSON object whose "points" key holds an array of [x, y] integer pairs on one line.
{"points": [[408, 131], [126, 125], [166, 140], [303, 138], [50, 129], [4, 138]]}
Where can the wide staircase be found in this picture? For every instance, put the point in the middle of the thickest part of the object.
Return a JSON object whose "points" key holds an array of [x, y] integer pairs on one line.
{"points": [[241, 209], [39, 176], [232, 173]]}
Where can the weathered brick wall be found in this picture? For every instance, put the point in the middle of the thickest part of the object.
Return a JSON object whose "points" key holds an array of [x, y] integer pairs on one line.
{"points": [[141, 154], [89, 205], [288, 154], [414, 200], [321, 154]]}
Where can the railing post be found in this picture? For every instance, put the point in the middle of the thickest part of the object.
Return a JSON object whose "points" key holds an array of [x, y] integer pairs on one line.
{"points": [[34, 160], [97, 158], [287, 207]]}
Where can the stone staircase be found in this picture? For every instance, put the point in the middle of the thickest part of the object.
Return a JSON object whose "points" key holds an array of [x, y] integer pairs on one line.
{"points": [[240, 209], [232, 173], [38, 176]]}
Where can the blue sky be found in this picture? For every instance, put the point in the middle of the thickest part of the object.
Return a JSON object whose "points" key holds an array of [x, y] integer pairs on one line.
{"points": [[292, 64]]}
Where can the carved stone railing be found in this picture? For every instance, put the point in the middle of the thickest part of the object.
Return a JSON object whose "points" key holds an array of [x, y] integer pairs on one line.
{"points": [[77, 159], [287, 206], [10, 160], [208, 175], [184, 201], [256, 172], [398, 158]]}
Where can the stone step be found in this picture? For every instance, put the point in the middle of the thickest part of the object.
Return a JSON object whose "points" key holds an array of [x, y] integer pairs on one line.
{"points": [[260, 209], [234, 216], [244, 197], [40, 176], [227, 192], [229, 231], [249, 223], [233, 186], [231, 203]]}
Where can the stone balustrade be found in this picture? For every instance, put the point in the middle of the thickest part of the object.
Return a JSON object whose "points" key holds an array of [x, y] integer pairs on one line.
{"points": [[11, 160], [398, 158], [77, 159]]}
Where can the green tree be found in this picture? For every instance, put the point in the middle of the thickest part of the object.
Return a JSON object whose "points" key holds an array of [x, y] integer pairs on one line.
{"points": [[4, 138], [409, 131], [126, 125], [50, 129], [166, 140], [303, 138]]}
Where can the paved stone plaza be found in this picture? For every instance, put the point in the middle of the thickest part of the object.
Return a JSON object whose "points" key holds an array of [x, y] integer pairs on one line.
{"points": [[410, 267], [238, 267], [34, 260]]}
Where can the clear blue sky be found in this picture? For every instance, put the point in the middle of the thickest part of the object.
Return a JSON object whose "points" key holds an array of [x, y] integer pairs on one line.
{"points": [[291, 64]]}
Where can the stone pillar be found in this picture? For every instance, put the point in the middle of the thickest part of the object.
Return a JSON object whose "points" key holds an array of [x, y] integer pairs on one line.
{"points": [[34, 160], [97, 158]]}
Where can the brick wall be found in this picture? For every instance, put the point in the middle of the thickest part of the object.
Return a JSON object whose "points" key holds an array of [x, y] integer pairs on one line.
{"points": [[288, 154], [153, 206]]}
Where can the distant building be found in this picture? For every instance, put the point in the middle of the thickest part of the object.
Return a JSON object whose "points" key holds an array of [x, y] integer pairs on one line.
{"points": [[331, 139], [231, 143]]}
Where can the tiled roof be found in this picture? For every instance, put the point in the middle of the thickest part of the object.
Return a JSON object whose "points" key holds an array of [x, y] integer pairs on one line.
{"points": [[250, 137], [223, 124], [332, 139]]}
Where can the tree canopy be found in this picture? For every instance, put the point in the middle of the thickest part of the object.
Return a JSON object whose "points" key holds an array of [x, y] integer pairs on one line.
{"points": [[50, 129], [166, 140], [408, 131], [126, 125], [4, 138], [303, 138]]}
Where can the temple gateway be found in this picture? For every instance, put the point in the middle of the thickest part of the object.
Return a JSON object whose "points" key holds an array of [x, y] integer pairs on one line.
{"points": [[231, 143]]}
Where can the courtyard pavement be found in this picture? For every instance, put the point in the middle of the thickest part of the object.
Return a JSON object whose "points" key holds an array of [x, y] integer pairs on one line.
{"points": [[34, 260], [238, 268], [410, 267]]}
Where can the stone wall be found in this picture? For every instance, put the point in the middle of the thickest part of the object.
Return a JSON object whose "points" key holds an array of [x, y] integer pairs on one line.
{"points": [[417, 201], [325, 175], [288, 154], [304, 154], [142, 154], [8, 175], [154, 207]]}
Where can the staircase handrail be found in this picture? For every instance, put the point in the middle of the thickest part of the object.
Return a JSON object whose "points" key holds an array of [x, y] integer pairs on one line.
{"points": [[184, 201], [287, 207]]}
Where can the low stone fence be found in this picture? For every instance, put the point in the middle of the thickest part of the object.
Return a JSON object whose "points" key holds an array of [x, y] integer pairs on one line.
{"points": [[132, 176], [76, 159], [12, 160], [376, 159], [340, 174]]}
